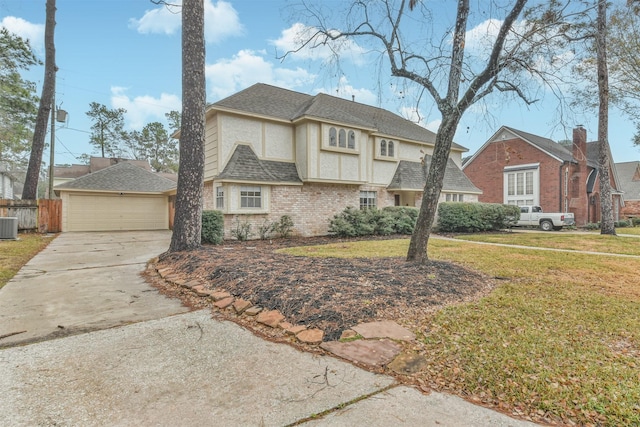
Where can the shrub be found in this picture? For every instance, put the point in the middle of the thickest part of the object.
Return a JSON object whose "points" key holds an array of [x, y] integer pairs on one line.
{"points": [[351, 222], [635, 221], [284, 227], [265, 230], [622, 224], [380, 221], [403, 218], [212, 227], [592, 226], [241, 230], [473, 217]]}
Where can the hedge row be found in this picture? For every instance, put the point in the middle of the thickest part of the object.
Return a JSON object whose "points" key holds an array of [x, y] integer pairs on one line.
{"points": [[353, 222], [472, 217]]}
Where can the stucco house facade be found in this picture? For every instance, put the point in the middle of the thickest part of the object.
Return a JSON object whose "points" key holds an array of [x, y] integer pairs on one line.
{"points": [[271, 152], [520, 168]]}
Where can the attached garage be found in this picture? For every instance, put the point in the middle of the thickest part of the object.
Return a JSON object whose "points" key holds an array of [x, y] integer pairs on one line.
{"points": [[121, 197]]}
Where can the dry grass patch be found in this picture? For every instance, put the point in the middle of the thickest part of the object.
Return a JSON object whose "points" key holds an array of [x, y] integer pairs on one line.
{"points": [[16, 253]]}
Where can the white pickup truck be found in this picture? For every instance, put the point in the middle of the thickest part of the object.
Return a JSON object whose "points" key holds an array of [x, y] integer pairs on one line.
{"points": [[534, 216]]}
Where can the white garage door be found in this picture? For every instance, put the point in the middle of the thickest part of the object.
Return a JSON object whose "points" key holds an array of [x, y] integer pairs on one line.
{"points": [[116, 212]]}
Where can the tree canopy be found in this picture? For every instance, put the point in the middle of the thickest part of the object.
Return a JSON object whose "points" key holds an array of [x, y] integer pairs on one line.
{"points": [[18, 100]]}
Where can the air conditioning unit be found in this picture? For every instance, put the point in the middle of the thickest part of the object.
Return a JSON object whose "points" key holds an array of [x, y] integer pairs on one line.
{"points": [[9, 228]]}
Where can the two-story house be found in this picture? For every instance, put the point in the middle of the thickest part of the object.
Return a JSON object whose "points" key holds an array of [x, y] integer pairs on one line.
{"points": [[271, 152], [520, 168]]}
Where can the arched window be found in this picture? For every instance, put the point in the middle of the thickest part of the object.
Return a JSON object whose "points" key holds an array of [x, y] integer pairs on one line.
{"points": [[383, 147], [342, 139], [352, 140], [333, 137], [391, 150]]}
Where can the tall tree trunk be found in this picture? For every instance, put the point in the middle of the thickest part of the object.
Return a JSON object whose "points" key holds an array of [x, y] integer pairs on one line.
{"points": [[30, 190], [606, 202], [188, 213], [451, 114], [429, 206]]}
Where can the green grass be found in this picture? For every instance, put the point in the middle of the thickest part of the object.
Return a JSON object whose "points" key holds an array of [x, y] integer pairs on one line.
{"points": [[558, 339], [579, 241], [16, 253], [629, 230]]}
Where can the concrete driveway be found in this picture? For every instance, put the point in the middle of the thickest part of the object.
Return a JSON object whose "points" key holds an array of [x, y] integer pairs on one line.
{"points": [[83, 282]]}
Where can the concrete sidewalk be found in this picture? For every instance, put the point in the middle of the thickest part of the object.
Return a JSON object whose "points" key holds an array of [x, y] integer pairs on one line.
{"points": [[174, 368]]}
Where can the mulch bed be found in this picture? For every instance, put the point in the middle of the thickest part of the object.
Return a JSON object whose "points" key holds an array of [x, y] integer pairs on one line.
{"points": [[332, 294]]}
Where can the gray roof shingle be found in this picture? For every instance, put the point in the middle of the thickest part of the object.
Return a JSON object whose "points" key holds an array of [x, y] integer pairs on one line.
{"points": [[288, 105], [629, 174], [410, 176], [125, 177], [244, 165]]}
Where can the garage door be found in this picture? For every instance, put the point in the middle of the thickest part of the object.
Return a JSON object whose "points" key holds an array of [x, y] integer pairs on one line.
{"points": [[116, 212]]}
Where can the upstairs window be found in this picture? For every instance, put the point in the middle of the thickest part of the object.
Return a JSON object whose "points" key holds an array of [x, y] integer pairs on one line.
{"points": [[390, 149], [352, 140], [342, 139], [387, 148], [333, 137]]}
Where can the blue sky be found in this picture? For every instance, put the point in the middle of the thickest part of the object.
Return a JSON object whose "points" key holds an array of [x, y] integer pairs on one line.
{"points": [[126, 54]]}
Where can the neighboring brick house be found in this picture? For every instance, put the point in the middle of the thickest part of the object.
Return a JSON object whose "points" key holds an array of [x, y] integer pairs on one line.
{"points": [[629, 173], [519, 168], [271, 151]]}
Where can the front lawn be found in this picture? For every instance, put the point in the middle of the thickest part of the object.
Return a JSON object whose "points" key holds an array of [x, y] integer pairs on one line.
{"points": [[576, 242], [16, 253], [558, 340]]}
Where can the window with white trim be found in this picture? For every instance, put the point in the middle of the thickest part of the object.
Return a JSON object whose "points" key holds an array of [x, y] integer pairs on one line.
{"points": [[454, 197], [220, 197], [341, 138], [250, 197], [368, 199], [387, 148], [522, 185]]}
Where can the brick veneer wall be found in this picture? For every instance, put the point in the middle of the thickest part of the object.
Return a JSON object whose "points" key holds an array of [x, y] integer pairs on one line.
{"points": [[631, 208], [487, 171]]}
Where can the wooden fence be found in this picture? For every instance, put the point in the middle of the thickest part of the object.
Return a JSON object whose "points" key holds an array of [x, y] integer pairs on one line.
{"points": [[43, 215]]}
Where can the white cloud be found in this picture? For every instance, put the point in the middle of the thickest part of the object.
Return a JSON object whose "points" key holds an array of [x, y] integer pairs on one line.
{"points": [[220, 21], [229, 75], [25, 29], [347, 91], [293, 40], [142, 110], [418, 117]]}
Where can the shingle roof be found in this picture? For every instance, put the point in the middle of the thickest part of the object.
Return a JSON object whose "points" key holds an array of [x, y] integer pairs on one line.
{"points": [[288, 105], [121, 177], [545, 144], [244, 165], [629, 175], [410, 176]]}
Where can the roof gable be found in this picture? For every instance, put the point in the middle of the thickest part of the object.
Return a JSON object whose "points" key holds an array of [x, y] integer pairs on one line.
{"points": [[629, 179], [244, 165], [124, 177], [411, 176]]}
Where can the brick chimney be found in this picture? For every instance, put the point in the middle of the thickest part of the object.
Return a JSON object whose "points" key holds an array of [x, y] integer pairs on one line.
{"points": [[579, 201]]}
